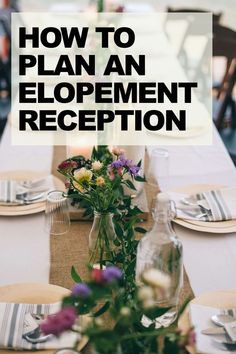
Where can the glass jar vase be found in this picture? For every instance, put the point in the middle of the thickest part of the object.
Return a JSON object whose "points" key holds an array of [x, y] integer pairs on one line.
{"points": [[101, 238]]}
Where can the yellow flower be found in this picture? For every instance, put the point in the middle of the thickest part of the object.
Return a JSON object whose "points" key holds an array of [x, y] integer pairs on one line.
{"points": [[83, 175], [100, 181], [97, 165]]}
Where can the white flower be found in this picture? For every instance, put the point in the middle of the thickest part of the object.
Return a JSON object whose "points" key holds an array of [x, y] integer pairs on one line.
{"points": [[83, 175], [156, 278], [97, 165], [125, 311], [145, 293]]}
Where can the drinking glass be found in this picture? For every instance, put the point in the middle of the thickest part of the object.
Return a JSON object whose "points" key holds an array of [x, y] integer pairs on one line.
{"points": [[158, 166], [158, 169], [57, 217]]}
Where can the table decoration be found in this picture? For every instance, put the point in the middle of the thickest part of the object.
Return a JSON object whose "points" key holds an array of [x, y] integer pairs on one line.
{"points": [[125, 333], [126, 228], [97, 184]]}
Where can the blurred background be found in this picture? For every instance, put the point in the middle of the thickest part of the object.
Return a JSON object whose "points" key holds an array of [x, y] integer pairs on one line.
{"points": [[181, 32]]}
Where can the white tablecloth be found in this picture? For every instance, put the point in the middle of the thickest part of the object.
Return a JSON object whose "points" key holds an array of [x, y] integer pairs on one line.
{"points": [[24, 245], [210, 259]]}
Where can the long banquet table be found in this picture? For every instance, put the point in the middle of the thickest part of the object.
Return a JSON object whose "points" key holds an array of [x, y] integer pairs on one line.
{"points": [[26, 252]]}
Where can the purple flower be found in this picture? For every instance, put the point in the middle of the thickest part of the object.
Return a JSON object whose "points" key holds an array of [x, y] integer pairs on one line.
{"points": [[134, 170], [81, 290], [125, 161], [111, 274], [59, 322], [117, 164], [122, 162]]}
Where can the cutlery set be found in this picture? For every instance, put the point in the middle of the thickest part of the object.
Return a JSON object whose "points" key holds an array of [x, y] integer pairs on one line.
{"points": [[32, 331], [13, 193], [225, 332], [191, 208]]}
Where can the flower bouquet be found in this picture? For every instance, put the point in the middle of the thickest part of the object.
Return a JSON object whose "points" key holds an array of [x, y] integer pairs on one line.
{"points": [[97, 184]]}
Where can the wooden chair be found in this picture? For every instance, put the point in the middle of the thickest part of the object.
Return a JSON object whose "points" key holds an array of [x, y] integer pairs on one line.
{"points": [[196, 26], [224, 45]]}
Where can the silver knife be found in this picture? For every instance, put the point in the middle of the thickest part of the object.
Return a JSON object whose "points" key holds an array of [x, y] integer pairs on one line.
{"points": [[229, 329], [213, 331]]}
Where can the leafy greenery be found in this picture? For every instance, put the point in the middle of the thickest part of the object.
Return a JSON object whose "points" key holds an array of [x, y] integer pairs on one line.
{"points": [[125, 330]]}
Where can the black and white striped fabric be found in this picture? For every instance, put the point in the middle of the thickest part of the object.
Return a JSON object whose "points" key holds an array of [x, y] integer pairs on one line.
{"points": [[214, 205], [14, 322]]}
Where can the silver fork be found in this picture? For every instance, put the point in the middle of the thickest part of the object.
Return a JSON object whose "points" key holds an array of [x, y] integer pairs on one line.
{"points": [[35, 336], [185, 201], [194, 215]]}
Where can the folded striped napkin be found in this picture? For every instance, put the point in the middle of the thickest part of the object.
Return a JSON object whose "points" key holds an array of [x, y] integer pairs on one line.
{"points": [[11, 191], [17, 319], [214, 205]]}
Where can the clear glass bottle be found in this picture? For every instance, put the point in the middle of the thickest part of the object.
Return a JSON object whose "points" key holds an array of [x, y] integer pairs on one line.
{"points": [[162, 250]]}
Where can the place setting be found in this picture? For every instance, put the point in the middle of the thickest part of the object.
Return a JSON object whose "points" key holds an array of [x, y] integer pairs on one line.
{"points": [[200, 207], [25, 192], [213, 315], [206, 208], [24, 307]]}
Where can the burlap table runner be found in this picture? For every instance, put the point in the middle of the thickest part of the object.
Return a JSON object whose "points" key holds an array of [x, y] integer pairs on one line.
{"points": [[72, 248]]}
